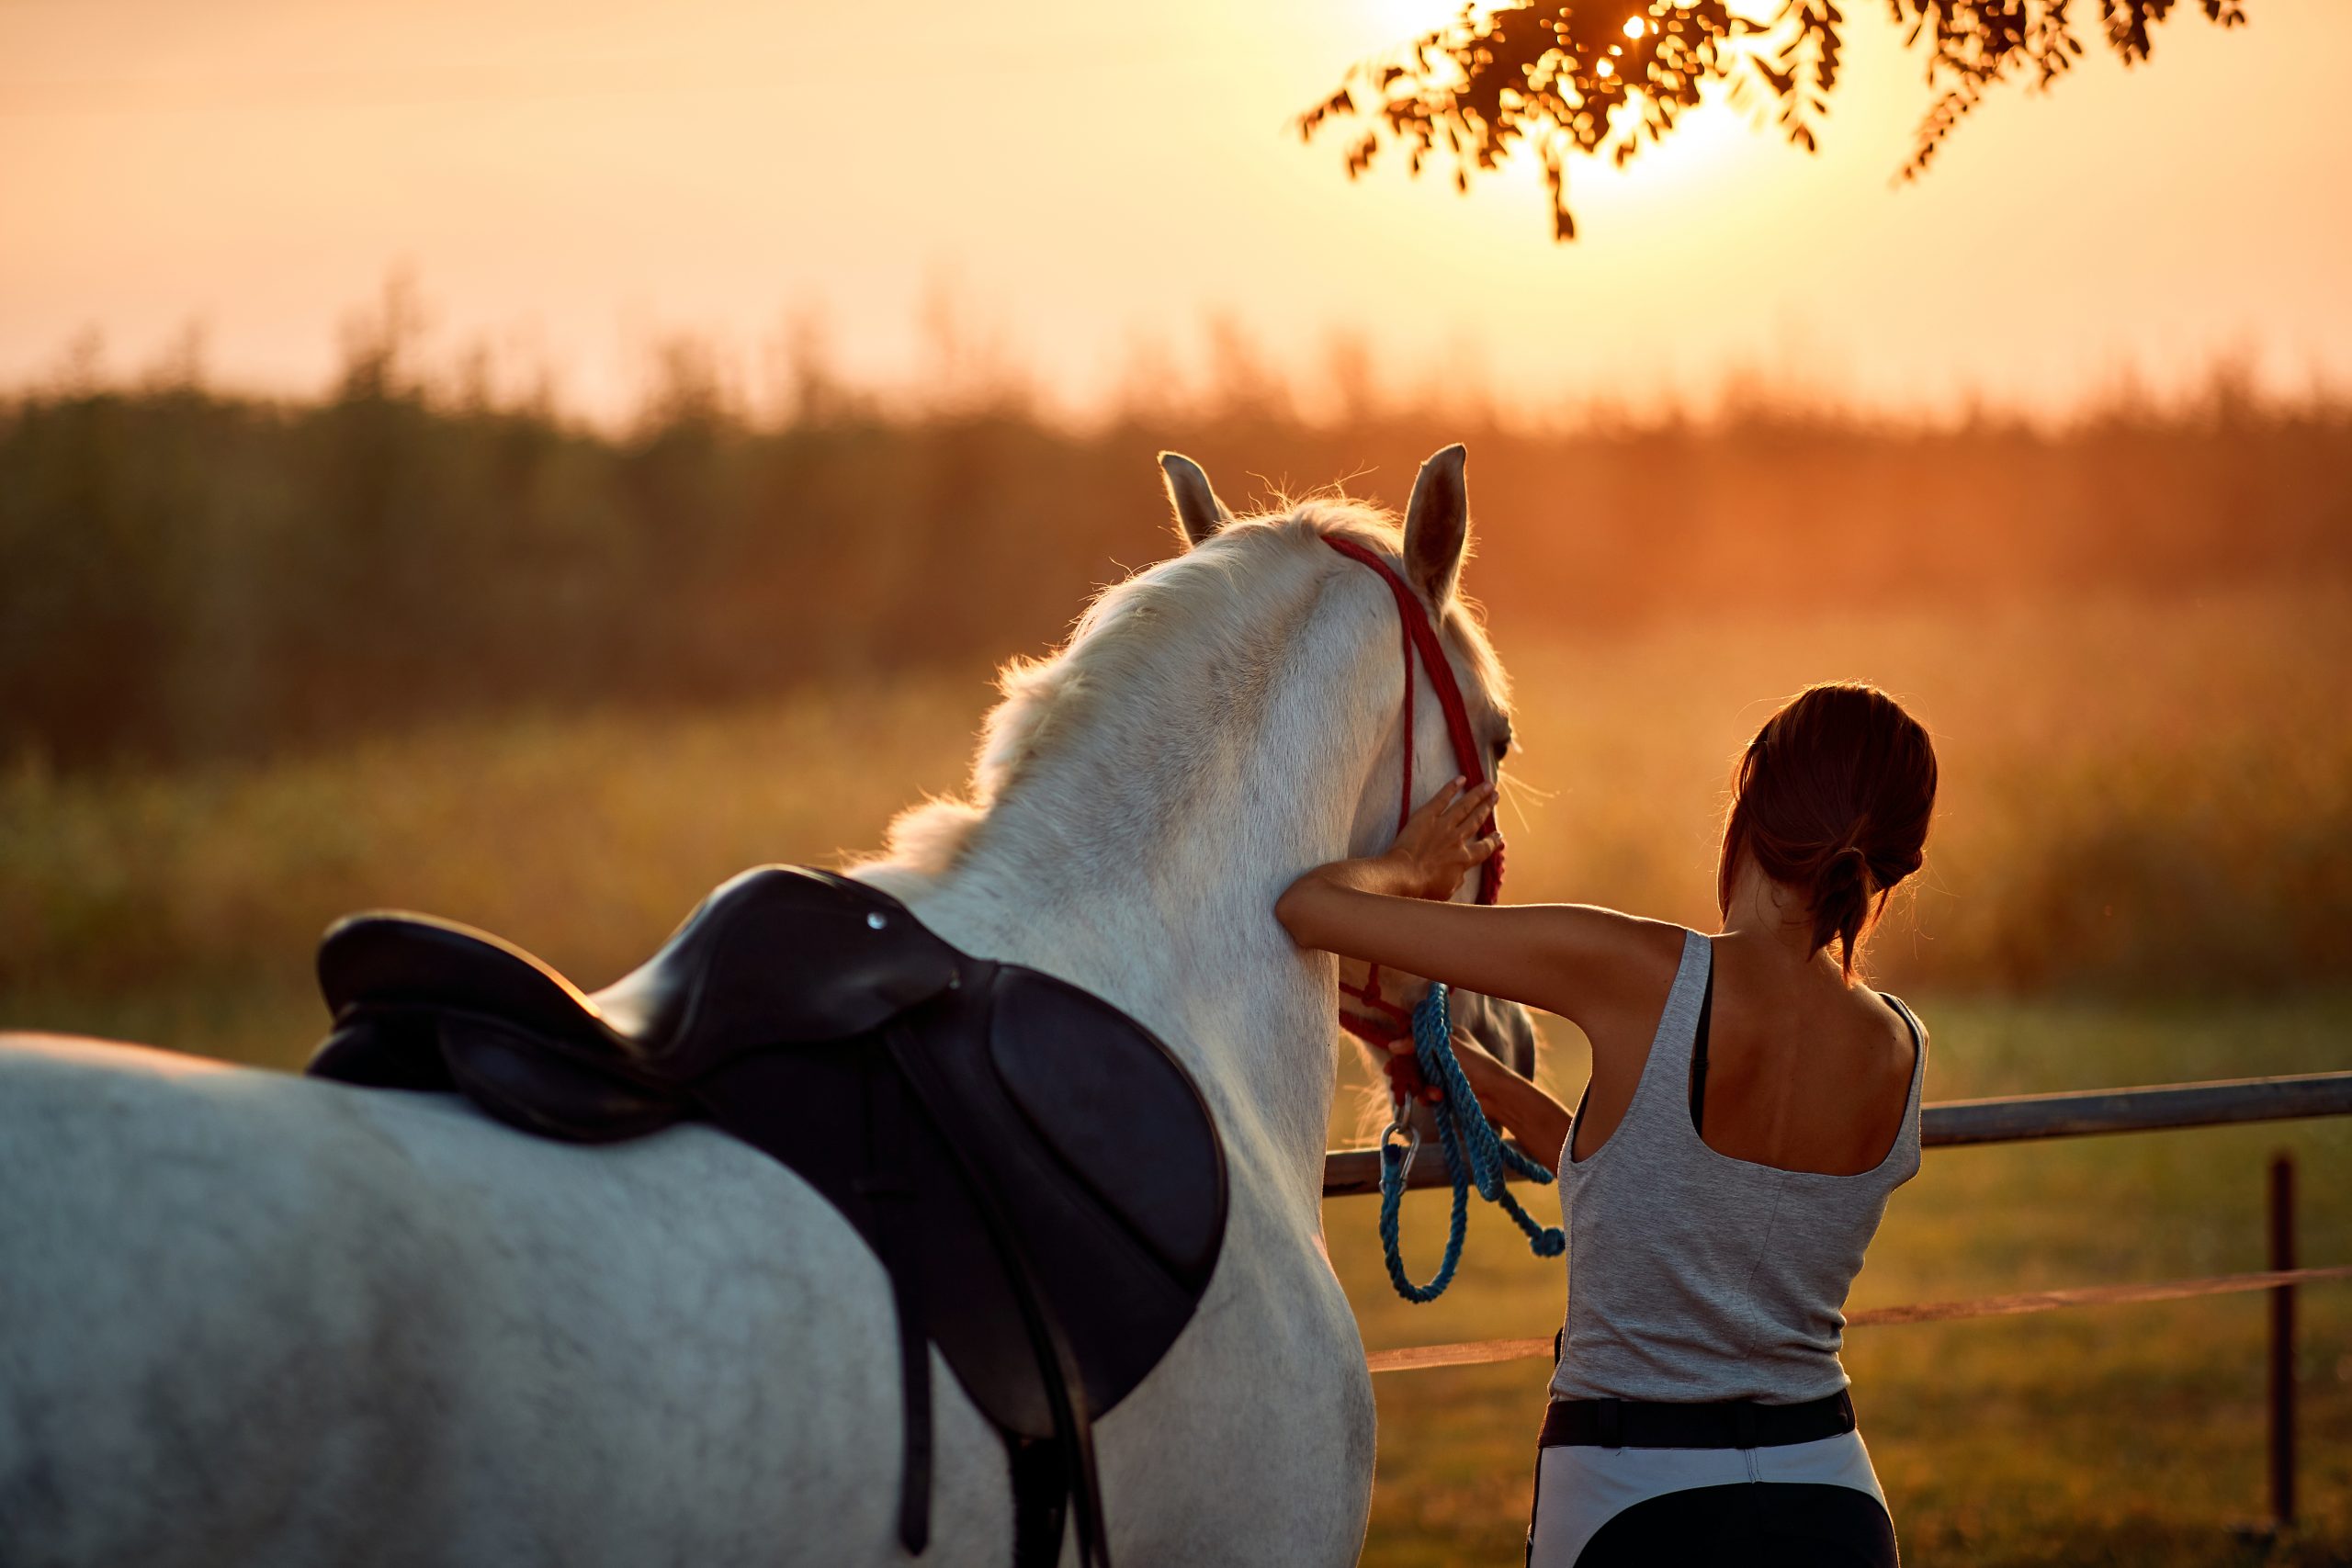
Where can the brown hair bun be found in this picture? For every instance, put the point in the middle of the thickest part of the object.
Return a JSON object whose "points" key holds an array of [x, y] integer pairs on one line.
{"points": [[1832, 799]]}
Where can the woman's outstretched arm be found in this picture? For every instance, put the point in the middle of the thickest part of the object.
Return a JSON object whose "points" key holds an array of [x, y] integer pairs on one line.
{"points": [[1603, 971], [1575, 960], [1520, 1106]]}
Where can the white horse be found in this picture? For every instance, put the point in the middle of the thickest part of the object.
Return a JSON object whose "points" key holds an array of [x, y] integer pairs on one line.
{"points": [[253, 1319]]}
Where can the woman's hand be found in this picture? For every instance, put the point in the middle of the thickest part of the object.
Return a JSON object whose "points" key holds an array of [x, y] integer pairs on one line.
{"points": [[1517, 1105], [1481, 1066], [1483, 1071], [1441, 843]]}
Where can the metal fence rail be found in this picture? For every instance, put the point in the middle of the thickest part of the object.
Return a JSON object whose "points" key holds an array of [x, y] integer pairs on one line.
{"points": [[1960, 1123]]}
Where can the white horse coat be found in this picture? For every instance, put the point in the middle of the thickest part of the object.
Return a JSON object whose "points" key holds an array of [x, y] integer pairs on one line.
{"points": [[253, 1319]]}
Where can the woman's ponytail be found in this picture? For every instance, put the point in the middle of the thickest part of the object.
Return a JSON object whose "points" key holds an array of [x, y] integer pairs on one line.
{"points": [[1841, 902], [1832, 800]]}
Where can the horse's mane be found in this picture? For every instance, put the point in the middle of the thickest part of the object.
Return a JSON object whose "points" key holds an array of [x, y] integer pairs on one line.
{"points": [[1228, 595]]}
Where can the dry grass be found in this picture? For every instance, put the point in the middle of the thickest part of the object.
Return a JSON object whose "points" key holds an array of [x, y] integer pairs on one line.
{"points": [[187, 904], [2137, 795]]}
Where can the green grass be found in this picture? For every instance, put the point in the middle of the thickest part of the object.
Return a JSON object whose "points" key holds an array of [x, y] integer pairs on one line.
{"points": [[2108, 1435]]}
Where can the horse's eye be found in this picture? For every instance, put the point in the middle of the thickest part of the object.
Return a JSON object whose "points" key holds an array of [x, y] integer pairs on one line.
{"points": [[1503, 744]]}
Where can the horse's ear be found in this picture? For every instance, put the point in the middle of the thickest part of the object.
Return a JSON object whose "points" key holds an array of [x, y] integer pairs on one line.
{"points": [[1199, 512], [1437, 525]]}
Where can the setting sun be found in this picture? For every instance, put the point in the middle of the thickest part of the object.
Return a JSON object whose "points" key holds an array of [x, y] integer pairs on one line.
{"points": [[572, 183]]}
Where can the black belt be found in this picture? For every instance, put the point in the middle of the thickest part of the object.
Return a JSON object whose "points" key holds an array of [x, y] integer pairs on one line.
{"points": [[1731, 1424]]}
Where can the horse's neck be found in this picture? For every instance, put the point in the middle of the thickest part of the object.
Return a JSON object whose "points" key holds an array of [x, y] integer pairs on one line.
{"points": [[1161, 901]]}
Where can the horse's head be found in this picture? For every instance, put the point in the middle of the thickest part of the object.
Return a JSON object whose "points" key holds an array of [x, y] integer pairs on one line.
{"points": [[1407, 769]]}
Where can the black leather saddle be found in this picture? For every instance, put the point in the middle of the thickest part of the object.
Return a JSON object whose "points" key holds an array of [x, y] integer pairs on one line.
{"points": [[1037, 1172]]}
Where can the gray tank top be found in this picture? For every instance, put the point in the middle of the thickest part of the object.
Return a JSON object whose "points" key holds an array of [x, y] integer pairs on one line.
{"points": [[1694, 1276]]}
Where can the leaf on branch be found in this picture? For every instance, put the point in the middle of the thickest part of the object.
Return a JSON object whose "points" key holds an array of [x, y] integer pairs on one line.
{"points": [[1557, 75]]}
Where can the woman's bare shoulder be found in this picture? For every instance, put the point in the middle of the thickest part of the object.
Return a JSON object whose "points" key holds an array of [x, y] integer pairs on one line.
{"points": [[1619, 962], [1878, 1017], [1612, 936]]}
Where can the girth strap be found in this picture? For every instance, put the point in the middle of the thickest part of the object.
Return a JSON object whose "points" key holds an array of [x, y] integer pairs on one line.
{"points": [[1057, 1365], [888, 1186], [1040, 1500]]}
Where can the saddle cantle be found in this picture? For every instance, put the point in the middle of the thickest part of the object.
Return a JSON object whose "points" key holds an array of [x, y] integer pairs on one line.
{"points": [[1037, 1173]]}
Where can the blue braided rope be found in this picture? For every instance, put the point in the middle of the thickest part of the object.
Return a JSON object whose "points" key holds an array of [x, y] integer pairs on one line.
{"points": [[1476, 1156]]}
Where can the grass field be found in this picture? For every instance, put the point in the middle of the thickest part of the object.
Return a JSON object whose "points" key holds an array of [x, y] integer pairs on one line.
{"points": [[2142, 872]]}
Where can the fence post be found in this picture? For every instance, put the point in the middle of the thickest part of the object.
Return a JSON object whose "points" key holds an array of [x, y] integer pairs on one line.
{"points": [[2282, 1345]]}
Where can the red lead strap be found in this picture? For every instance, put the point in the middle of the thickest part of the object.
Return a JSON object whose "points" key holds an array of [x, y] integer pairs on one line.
{"points": [[1421, 635]]}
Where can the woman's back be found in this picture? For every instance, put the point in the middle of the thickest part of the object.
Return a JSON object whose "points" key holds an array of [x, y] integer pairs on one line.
{"points": [[1802, 1074], [1715, 1267]]}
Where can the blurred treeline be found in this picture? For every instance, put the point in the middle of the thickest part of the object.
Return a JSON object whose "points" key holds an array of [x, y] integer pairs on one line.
{"points": [[187, 573]]}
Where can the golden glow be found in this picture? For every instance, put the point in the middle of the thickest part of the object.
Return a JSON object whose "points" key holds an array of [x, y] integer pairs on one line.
{"points": [[1606, 69], [574, 182]]}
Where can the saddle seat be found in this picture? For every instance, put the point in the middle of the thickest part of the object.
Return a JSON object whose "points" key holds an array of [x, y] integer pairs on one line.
{"points": [[774, 956], [1035, 1170]]}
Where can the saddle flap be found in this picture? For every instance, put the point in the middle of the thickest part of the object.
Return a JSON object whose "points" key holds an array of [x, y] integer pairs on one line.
{"points": [[1115, 1107]]}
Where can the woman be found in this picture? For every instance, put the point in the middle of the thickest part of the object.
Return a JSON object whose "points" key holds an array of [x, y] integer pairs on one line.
{"points": [[1751, 1107]]}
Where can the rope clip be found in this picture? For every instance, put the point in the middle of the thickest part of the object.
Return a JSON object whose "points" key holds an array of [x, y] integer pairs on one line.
{"points": [[1401, 1122]]}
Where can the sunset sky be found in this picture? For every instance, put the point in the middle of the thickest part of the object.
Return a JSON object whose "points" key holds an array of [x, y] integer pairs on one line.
{"points": [[1088, 185]]}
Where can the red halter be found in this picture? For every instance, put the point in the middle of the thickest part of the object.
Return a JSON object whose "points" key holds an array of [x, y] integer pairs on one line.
{"points": [[1419, 635]]}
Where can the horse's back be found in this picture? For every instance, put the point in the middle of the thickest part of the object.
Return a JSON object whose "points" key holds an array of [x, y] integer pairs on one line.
{"points": [[247, 1317]]}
